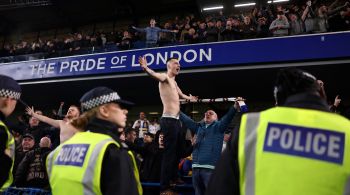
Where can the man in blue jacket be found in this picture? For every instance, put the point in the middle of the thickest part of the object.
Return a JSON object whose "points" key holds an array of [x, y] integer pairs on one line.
{"points": [[207, 148]]}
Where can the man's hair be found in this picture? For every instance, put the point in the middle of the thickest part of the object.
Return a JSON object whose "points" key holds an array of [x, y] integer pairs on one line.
{"points": [[77, 107], [82, 121], [129, 130], [292, 81], [150, 134], [280, 13], [172, 58]]}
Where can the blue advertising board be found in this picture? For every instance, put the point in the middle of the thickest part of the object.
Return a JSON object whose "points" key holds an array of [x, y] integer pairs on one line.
{"points": [[244, 52]]}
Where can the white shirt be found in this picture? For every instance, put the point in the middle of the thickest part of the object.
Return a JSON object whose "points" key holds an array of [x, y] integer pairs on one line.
{"points": [[142, 128], [153, 128]]}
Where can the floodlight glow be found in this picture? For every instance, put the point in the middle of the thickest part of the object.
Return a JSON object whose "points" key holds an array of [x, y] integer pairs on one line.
{"points": [[213, 8], [277, 1], [244, 4]]}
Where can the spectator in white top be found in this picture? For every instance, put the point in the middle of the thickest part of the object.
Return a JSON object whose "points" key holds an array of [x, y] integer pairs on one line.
{"points": [[141, 125], [154, 126]]}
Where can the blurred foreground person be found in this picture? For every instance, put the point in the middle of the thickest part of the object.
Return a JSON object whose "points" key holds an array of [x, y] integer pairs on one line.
{"points": [[94, 160], [298, 147], [10, 92]]}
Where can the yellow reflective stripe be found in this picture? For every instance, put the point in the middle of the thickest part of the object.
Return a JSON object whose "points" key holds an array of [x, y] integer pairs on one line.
{"points": [[136, 172], [10, 144], [10, 141], [250, 151], [89, 175], [347, 187]]}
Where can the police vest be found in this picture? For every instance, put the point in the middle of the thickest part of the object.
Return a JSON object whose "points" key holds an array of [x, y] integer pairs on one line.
{"points": [[10, 147], [75, 166], [294, 151]]}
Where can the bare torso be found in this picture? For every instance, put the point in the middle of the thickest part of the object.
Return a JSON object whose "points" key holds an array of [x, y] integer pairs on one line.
{"points": [[66, 130], [169, 96]]}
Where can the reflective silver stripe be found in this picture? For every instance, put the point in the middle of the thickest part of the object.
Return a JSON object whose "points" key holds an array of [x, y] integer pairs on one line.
{"points": [[347, 187], [89, 175], [12, 146], [250, 152], [50, 162]]}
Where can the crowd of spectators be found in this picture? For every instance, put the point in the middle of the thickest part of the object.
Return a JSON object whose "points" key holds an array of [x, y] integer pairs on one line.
{"points": [[35, 139], [271, 20]]}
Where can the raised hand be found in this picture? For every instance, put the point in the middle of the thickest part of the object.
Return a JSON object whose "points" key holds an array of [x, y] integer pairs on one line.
{"points": [[237, 106], [240, 99], [143, 62], [193, 98], [30, 111]]}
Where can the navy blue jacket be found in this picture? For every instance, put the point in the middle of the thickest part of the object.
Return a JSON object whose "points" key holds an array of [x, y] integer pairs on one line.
{"points": [[208, 146]]}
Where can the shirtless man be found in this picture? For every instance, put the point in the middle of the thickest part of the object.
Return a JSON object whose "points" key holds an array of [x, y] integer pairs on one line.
{"points": [[66, 130], [170, 94]]}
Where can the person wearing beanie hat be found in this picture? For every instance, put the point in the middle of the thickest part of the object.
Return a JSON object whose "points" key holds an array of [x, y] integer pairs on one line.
{"points": [[297, 147], [94, 160], [10, 93], [28, 135]]}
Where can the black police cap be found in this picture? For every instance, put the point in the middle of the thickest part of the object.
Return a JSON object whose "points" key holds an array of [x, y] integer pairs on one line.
{"points": [[9, 88]]}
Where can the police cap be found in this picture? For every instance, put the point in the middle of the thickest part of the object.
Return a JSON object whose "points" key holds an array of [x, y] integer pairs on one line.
{"points": [[9, 88], [102, 95]]}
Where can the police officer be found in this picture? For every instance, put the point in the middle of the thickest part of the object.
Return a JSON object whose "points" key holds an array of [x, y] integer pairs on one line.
{"points": [[10, 92], [298, 147], [94, 161]]}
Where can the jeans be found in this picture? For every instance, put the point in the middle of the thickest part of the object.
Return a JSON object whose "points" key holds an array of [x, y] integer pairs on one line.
{"points": [[171, 129], [200, 179]]}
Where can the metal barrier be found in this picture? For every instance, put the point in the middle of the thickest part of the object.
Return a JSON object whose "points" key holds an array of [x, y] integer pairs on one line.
{"points": [[25, 191], [148, 188]]}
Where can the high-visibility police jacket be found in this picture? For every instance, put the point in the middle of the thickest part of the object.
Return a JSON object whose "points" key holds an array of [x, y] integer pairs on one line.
{"points": [[294, 151], [10, 147], [75, 166]]}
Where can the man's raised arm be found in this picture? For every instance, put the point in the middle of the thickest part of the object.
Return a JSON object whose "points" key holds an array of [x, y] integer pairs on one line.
{"points": [[42, 118], [159, 76], [184, 96]]}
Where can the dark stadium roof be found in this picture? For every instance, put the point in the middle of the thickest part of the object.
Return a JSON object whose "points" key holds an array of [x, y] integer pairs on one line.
{"points": [[34, 15]]}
